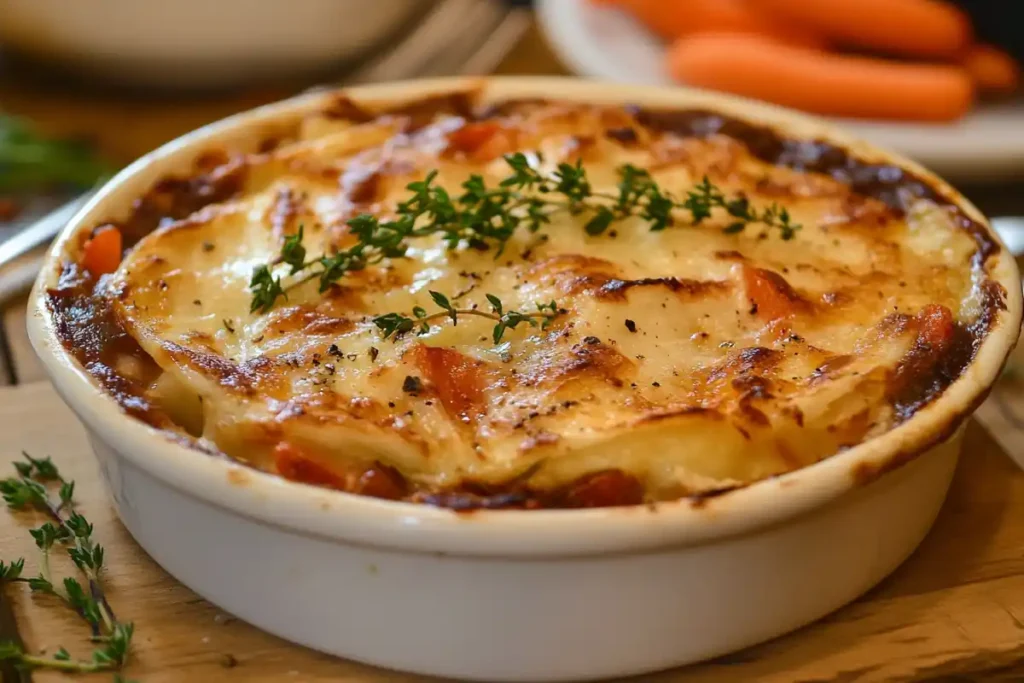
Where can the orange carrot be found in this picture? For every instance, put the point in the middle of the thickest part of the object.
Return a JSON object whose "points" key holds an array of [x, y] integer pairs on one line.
{"points": [[677, 18], [993, 70], [481, 141], [820, 82], [101, 253], [921, 28], [771, 297], [295, 464]]}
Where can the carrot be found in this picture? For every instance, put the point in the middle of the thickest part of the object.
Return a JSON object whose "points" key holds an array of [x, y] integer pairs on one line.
{"points": [[919, 28], [295, 464], [101, 253], [458, 379], [820, 82], [610, 488], [771, 297], [672, 19], [993, 70], [481, 141]]}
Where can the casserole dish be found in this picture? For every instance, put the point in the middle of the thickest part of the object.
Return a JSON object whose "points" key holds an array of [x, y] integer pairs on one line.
{"points": [[539, 594]]}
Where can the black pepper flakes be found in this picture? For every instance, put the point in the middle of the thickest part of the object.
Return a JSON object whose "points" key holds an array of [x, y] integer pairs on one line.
{"points": [[591, 340], [412, 384], [228, 326], [391, 404], [228, 661], [197, 302], [753, 308], [207, 246], [630, 325], [655, 384], [373, 353], [335, 351]]}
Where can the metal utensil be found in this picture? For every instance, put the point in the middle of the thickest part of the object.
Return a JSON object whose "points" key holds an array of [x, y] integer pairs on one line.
{"points": [[40, 232], [457, 37]]}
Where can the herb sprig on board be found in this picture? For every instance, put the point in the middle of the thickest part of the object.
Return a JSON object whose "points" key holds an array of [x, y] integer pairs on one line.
{"points": [[395, 324], [486, 216], [68, 530]]}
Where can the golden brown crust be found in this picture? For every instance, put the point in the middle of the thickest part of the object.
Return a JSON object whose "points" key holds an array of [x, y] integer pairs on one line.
{"points": [[688, 362]]}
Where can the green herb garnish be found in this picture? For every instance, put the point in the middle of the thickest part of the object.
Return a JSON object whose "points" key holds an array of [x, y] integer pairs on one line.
{"points": [[31, 162], [396, 324], [69, 530], [486, 217]]}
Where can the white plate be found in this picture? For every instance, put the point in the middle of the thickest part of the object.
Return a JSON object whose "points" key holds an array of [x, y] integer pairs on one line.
{"points": [[606, 44]]}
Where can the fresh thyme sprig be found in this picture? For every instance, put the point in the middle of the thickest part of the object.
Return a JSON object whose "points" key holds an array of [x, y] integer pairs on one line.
{"points": [[397, 324], [485, 217], [73, 532]]}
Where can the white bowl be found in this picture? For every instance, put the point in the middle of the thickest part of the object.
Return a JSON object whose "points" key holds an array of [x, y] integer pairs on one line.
{"points": [[520, 595], [199, 43]]}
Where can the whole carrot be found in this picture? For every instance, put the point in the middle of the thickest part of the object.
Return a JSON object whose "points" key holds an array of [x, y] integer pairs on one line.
{"points": [[993, 70], [820, 82], [677, 18], [917, 28]]}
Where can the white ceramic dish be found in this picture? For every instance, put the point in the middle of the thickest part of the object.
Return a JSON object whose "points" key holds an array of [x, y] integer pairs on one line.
{"points": [[600, 42], [519, 595], [198, 43]]}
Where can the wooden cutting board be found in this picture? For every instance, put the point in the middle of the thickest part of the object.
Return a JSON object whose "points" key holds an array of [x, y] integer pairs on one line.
{"points": [[954, 611]]}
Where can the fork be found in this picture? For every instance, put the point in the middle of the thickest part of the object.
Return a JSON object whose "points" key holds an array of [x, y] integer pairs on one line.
{"points": [[457, 37]]}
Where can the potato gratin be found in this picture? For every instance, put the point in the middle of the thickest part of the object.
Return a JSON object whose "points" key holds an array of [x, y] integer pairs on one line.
{"points": [[678, 362]]}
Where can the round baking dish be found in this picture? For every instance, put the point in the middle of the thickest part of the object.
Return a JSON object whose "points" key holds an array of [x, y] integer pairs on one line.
{"points": [[541, 595]]}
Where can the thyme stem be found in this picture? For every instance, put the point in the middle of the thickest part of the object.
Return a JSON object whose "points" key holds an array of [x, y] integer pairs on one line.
{"points": [[486, 217]]}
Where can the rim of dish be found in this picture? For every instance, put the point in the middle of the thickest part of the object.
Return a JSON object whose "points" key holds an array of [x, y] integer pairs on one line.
{"points": [[309, 510]]}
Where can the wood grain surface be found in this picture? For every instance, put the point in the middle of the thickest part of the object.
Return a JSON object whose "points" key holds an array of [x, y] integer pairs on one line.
{"points": [[956, 608], [954, 611]]}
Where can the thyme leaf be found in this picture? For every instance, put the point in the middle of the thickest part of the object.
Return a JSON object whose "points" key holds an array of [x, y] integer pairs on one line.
{"points": [[486, 217]]}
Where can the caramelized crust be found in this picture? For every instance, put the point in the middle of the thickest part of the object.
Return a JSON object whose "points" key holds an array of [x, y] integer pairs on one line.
{"points": [[687, 362]]}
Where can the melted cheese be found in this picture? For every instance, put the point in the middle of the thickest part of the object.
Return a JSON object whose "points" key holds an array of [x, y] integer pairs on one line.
{"points": [[689, 358]]}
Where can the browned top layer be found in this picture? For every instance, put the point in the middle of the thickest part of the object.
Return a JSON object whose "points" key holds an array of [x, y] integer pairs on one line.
{"points": [[545, 428]]}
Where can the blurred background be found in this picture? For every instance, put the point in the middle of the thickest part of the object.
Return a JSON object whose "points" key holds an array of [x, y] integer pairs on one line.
{"points": [[86, 86]]}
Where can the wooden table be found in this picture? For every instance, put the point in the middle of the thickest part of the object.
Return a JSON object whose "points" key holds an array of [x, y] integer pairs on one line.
{"points": [[954, 611]]}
